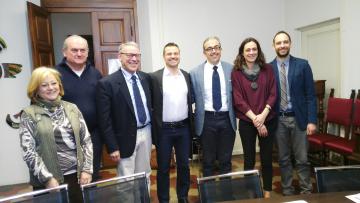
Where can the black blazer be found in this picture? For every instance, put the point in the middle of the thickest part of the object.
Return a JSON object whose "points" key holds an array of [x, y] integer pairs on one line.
{"points": [[116, 115], [157, 102]]}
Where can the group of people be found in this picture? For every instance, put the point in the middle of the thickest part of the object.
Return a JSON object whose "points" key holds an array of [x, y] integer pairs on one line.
{"points": [[129, 110]]}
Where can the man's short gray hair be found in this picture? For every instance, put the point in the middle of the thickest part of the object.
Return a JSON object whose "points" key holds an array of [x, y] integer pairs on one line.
{"points": [[130, 43], [210, 38], [66, 42]]}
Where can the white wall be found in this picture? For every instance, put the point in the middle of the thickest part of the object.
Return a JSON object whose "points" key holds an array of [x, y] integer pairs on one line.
{"points": [[301, 13], [350, 32], [189, 22], [14, 30]]}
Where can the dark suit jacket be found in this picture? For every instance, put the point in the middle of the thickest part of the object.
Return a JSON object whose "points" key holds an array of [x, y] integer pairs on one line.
{"points": [[116, 115], [302, 90], [157, 101]]}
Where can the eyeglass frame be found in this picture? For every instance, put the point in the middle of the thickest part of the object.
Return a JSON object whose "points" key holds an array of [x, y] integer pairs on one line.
{"points": [[215, 48], [131, 55]]}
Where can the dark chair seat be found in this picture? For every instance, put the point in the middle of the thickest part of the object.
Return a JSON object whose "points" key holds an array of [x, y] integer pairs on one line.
{"points": [[130, 189], [337, 178], [57, 194], [229, 187]]}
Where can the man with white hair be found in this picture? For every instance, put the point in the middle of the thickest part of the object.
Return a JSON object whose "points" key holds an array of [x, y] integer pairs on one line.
{"points": [[79, 79]]}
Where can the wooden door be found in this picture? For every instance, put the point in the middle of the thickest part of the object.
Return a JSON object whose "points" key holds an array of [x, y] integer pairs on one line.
{"points": [[110, 29], [41, 36]]}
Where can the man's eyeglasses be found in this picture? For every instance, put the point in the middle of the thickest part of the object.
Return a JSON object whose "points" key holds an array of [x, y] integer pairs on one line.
{"points": [[210, 49], [130, 55], [74, 51]]}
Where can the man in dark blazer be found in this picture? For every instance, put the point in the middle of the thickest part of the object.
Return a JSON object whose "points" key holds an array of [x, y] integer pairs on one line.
{"points": [[296, 106], [171, 97], [124, 106], [215, 124]]}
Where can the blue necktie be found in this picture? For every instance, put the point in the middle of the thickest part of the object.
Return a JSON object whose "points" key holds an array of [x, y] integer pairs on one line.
{"points": [[138, 101], [216, 90]]}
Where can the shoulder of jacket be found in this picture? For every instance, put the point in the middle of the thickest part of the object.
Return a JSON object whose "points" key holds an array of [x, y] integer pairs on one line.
{"points": [[69, 106], [34, 112]]}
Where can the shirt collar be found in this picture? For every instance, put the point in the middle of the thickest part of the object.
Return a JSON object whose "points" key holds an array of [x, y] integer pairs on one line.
{"points": [[210, 65], [286, 61], [128, 75], [167, 71]]}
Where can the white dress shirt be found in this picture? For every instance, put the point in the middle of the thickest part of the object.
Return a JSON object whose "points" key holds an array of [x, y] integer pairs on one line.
{"points": [[208, 72], [129, 82], [175, 90]]}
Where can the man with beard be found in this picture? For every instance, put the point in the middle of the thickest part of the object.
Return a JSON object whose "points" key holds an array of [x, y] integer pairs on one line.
{"points": [[297, 113], [215, 121]]}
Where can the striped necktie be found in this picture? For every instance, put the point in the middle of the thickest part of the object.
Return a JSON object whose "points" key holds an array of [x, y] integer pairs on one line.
{"points": [[283, 81]]}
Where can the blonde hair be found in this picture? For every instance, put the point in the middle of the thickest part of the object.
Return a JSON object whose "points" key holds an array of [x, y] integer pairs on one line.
{"points": [[37, 77]]}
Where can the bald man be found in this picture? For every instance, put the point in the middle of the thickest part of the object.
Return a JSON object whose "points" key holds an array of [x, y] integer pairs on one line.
{"points": [[79, 79]]}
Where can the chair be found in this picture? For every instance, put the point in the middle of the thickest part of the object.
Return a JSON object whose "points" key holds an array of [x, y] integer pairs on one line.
{"points": [[339, 111], [356, 130], [337, 178], [132, 188], [57, 195], [230, 186], [346, 145]]}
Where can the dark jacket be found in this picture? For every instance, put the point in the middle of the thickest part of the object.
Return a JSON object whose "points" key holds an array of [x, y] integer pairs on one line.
{"points": [[157, 102], [302, 91], [116, 114]]}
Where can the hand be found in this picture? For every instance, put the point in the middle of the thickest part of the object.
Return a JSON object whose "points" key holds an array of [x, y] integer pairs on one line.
{"points": [[262, 131], [115, 156], [310, 129], [85, 178], [259, 120], [51, 183]]}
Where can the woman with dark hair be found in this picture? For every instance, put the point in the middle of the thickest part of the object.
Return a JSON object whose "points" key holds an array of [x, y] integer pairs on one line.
{"points": [[254, 95]]}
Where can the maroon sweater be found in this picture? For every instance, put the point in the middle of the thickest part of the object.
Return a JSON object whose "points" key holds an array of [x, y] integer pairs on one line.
{"points": [[245, 98]]}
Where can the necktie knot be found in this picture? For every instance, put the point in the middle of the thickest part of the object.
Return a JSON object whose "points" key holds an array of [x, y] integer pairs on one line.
{"points": [[133, 77], [215, 68]]}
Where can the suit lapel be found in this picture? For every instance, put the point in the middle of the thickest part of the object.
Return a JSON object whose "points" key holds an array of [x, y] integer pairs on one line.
{"points": [[227, 74], [188, 84], [201, 79], [125, 91], [159, 78], [291, 71]]}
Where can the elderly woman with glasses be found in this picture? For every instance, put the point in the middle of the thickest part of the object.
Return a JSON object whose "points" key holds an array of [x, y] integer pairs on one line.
{"points": [[54, 138]]}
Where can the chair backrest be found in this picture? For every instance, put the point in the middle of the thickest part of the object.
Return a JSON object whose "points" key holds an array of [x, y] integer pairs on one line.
{"points": [[55, 195], [230, 186], [132, 188], [356, 123], [338, 178], [339, 112]]}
